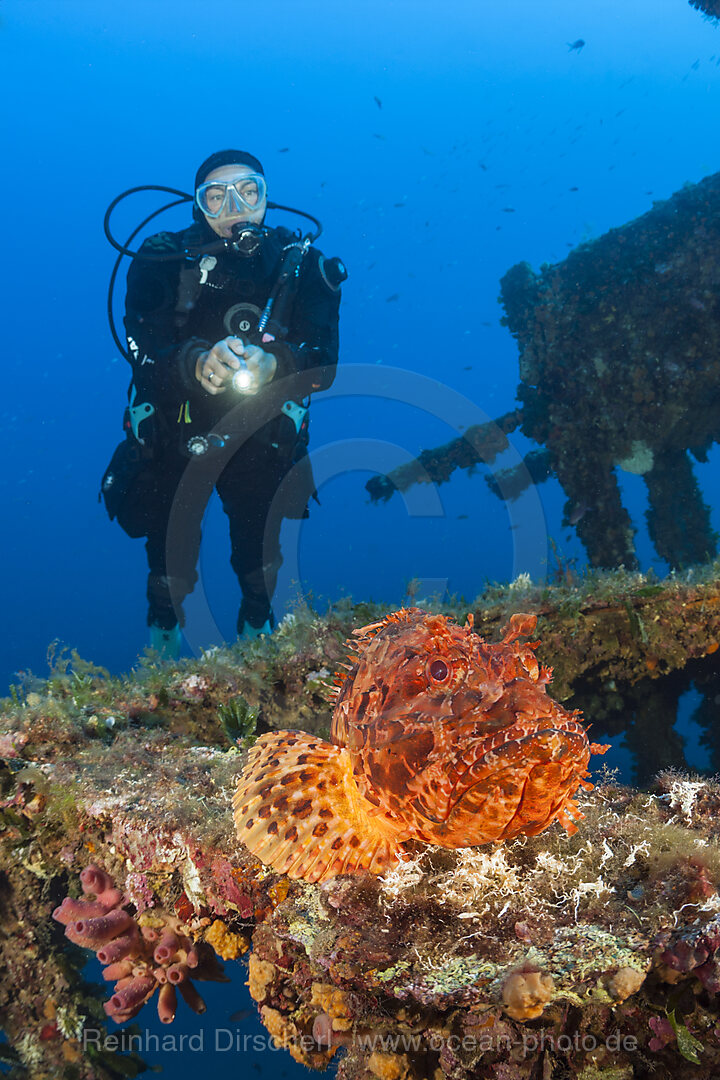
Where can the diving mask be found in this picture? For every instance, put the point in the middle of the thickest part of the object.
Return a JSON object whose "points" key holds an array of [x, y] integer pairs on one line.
{"points": [[223, 198]]}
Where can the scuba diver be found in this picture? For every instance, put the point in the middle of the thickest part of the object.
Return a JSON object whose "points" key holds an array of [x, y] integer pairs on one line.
{"points": [[231, 326]]}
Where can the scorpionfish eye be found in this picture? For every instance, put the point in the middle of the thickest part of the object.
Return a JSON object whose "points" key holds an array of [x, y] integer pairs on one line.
{"points": [[438, 671]]}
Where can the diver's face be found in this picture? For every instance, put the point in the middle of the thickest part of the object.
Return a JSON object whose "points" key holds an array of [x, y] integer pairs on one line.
{"points": [[232, 214]]}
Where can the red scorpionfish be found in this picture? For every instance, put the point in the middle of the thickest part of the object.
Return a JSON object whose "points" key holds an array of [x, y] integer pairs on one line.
{"points": [[437, 736]]}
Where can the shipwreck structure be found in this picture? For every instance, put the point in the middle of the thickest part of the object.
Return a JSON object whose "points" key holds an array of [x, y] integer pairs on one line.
{"points": [[619, 370], [594, 956], [710, 8]]}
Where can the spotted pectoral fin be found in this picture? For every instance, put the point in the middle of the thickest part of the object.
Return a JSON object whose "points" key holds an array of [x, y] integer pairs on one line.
{"points": [[298, 809]]}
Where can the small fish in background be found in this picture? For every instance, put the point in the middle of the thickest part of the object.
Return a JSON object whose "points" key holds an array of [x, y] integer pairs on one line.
{"points": [[394, 296], [240, 1014], [574, 189], [578, 511], [377, 101], [576, 46], [376, 136], [508, 209]]}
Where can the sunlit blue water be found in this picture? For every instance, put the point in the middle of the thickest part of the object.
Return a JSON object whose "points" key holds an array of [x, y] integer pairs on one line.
{"points": [[438, 144], [481, 110]]}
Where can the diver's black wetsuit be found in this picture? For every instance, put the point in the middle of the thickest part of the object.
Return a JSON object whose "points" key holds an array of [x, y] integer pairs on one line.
{"points": [[174, 311]]}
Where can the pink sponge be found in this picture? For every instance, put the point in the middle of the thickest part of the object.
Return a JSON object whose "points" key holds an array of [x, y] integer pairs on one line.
{"points": [[139, 958]]}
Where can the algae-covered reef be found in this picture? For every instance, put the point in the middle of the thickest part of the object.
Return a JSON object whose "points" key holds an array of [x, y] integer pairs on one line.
{"points": [[592, 955], [619, 370]]}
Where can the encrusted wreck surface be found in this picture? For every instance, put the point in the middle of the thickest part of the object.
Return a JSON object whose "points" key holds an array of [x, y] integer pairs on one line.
{"points": [[593, 956], [619, 370], [710, 8], [626, 648], [619, 367]]}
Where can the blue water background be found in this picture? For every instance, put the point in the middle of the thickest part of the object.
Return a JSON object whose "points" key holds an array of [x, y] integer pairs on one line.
{"points": [[100, 97], [480, 108]]}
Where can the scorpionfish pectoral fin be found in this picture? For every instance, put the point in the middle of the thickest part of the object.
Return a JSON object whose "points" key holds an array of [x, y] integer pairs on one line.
{"points": [[298, 809]]}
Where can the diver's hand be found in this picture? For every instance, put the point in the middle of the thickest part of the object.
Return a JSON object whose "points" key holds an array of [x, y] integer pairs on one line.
{"points": [[215, 368], [261, 367]]}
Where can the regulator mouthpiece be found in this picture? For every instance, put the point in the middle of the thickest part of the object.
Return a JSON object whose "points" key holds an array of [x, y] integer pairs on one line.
{"points": [[246, 238]]}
